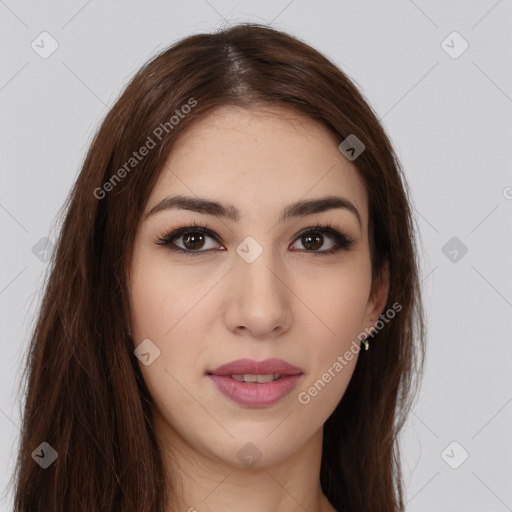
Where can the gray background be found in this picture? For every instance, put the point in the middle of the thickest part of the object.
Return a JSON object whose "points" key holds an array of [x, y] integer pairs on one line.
{"points": [[449, 119]]}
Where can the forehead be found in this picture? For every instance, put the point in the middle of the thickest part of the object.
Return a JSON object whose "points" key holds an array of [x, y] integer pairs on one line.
{"points": [[259, 159]]}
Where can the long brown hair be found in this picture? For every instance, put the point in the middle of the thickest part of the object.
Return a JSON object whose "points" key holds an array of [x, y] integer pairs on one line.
{"points": [[84, 393]]}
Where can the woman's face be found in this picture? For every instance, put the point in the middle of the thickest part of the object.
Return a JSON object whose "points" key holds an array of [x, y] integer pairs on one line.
{"points": [[251, 286]]}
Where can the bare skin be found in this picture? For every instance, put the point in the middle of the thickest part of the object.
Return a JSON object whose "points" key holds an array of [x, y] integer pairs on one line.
{"points": [[204, 310]]}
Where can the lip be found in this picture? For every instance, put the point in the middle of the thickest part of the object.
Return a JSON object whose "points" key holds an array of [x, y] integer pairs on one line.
{"points": [[243, 366], [253, 394]]}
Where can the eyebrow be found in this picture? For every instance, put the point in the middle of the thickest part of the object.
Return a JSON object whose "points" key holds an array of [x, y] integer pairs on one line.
{"points": [[299, 208]]}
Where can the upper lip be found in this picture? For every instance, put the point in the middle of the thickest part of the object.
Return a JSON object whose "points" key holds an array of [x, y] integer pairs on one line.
{"points": [[251, 367]]}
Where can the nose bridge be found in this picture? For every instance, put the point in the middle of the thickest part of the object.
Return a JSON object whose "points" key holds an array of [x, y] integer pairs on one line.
{"points": [[255, 267], [259, 297]]}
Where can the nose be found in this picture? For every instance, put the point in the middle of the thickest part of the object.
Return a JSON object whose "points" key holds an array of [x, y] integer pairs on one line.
{"points": [[259, 298]]}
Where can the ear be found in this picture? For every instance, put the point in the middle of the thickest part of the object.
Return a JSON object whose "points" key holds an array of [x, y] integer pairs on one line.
{"points": [[378, 297]]}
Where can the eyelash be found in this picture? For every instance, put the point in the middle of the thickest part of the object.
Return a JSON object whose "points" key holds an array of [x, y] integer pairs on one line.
{"points": [[342, 242]]}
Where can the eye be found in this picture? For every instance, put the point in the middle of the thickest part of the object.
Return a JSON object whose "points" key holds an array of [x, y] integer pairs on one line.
{"points": [[189, 240], [192, 240], [314, 238]]}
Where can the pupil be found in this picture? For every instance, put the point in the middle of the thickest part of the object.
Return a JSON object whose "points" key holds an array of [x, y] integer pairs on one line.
{"points": [[314, 242], [195, 240]]}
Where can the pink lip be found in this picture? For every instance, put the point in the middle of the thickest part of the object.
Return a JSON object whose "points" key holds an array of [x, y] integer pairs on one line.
{"points": [[252, 394], [243, 366]]}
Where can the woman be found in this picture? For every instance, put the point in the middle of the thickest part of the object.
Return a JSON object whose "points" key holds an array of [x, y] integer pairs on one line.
{"points": [[240, 229]]}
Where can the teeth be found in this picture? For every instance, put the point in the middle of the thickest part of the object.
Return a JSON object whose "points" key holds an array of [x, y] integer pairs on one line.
{"points": [[260, 379]]}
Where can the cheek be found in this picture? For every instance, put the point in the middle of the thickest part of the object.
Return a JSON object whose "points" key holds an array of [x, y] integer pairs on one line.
{"points": [[165, 309], [333, 360], [339, 303], [170, 306], [163, 296], [339, 299]]}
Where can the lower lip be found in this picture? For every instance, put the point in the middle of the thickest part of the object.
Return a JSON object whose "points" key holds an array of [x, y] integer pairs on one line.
{"points": [[253, 394]]}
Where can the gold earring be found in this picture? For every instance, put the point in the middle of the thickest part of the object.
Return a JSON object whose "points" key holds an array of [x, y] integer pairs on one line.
{"points": [[366, 344]]}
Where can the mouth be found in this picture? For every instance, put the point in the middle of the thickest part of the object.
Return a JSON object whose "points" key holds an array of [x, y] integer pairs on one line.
{"points": [[256, 384]]}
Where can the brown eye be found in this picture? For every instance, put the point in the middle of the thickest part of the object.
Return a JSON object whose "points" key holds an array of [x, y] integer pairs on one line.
{"points": [[190, 240], [193, 241], [313, 239], [312, 242]]}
